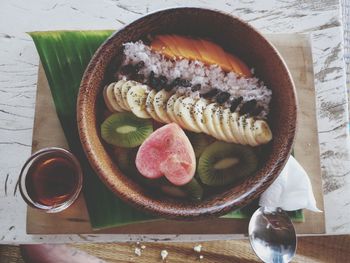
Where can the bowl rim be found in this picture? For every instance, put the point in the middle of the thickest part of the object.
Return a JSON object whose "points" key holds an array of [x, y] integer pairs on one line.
{"points": [[149, 204]]}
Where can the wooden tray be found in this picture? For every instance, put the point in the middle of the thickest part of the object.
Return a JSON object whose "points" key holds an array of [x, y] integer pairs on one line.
{"points": [[296, 50]]}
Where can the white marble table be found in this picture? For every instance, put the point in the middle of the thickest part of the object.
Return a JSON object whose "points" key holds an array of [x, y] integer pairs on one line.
{"points": [[18, 73]]}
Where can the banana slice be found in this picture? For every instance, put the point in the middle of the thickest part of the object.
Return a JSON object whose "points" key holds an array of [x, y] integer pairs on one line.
{"points": [[208, 116], [242, 123], [186, 114], [109, 98], [118, 94], [234, 124], [136, 98], [170, 107], [249, 132], [218, 124], [177, 112], [225, 120], [149, 105], [262, 132], [198, 110], [125, 88], [160, 105]]}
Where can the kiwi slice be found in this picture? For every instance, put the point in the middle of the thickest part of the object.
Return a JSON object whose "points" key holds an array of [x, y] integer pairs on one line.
{"points": [[125, 158], [199, 142], [225, 163], [124, 129], [173, 191], [192, 190]]}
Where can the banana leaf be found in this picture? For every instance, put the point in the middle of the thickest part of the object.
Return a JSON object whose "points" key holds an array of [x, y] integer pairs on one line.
{"points": [[64, 56]]}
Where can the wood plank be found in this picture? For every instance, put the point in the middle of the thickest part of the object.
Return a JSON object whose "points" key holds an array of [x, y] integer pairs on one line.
{"points": [[310, 249], [296, 50]]}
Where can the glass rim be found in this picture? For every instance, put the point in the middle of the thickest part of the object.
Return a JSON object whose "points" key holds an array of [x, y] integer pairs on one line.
{"points": [[23, 174]]}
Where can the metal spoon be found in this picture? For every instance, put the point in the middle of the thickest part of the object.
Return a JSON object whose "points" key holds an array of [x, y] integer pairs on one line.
{"points": [[272, 235]]}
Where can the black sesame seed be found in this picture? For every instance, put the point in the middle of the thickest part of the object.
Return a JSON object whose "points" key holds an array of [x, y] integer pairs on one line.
{"points": [[235, 103], [247, 107], [211, 93], [196, 87], [222, 97]]}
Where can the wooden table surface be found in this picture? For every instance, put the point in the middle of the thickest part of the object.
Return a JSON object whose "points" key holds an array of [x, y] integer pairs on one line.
{"points": [[310, 250], [19, 64]]}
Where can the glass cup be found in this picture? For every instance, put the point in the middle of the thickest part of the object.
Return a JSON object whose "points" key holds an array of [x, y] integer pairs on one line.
{"points": [[51, 180]]}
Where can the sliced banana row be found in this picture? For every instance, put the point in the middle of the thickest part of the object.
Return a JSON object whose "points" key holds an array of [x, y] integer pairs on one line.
{"points": [[195, 115]]}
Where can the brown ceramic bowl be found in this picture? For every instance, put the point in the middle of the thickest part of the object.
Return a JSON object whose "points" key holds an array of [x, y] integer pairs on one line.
{"points": [[234, 36]]}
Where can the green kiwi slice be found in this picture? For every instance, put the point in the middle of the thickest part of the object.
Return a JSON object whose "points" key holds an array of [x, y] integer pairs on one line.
{"points": [[199, 142], [192, 190], [124, 129], [223, 163], [125, 159]]}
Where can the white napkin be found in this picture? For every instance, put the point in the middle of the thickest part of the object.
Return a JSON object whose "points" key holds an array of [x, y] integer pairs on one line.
{"points": [[291, 190]]}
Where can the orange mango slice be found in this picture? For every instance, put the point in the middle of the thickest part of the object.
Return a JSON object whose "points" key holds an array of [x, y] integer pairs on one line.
{"points": [[215, 55], [176, 46], [168, 40], [186, 47], [161, 47], [240, 65]]}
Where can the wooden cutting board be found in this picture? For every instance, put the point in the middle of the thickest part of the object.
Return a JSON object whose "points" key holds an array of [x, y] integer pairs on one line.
{"points": [[296, 50]]}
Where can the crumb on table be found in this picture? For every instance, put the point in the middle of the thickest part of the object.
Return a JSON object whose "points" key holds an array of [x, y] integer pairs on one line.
{"points": [[197, 248], [164, 254]]}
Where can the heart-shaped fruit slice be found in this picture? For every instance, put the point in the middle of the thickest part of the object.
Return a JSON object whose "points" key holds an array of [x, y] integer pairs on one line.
{"points": [[167, 152]]}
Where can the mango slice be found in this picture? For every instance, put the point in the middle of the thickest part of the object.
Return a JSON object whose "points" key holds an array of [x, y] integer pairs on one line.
{"points": [[168, 40], [161, 47], [177, 47]]}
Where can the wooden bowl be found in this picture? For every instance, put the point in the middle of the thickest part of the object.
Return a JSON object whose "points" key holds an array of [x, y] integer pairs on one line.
{"points": [[233, 35]]}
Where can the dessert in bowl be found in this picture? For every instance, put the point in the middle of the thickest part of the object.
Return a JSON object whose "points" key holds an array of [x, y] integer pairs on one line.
{"points": [[187, 113]]}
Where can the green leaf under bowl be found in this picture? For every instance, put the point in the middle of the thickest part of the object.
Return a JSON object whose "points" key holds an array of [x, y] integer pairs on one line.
{"points": [[64, 56]]}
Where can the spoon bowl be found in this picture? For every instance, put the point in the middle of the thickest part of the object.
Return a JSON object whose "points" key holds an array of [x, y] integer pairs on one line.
{"points": [[272, 235]]}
